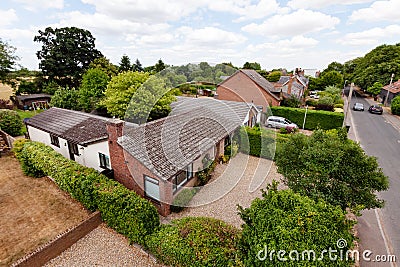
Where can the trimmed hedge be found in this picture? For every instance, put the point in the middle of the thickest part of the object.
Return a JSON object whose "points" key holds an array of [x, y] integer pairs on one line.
{"points": [[121, 208], [395, 105], [195, 241], [315, 118], [10, 122], [257, 142]]}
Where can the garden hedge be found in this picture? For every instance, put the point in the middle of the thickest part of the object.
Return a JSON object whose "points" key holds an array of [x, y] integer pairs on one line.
{"points": [[195, 241], [257, 142], [395, 105], [121, 208], [315, 118], [10, 122]]}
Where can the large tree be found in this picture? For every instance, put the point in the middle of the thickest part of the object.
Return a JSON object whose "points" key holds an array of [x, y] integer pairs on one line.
{"points": [[66, 53], [91, 91], [125, 64], [7, 59], [327, 165], [66, 98], [137, 66], [159, 66]]}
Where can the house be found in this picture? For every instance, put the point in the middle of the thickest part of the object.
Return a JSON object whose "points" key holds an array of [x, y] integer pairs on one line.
{"points": [[33, 101], [294, 84], [159, 158], [250, 87], [76, 135], [394, 90]]}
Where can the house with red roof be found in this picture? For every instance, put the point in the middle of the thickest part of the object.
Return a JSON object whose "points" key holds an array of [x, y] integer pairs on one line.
{"points": [[394, 90]]}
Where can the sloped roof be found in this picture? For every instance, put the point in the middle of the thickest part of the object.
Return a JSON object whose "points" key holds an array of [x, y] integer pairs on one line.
{"points": [[32, 96], [168, 145], [259, 80], [74, 126], [394, 87], [283, 79]]}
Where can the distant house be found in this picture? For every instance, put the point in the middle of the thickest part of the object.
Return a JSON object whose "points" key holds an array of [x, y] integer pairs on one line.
{"points": [[250, 87], [33, 101], [294, 84], [159, 158], [394, 90], [76, 135]]}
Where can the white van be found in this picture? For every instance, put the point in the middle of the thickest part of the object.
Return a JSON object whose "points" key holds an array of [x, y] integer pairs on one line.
{"points": [[279, 122]]}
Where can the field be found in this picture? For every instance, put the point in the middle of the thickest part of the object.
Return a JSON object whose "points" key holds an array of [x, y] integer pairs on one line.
{"points": [[5, 91], [33, 211]]}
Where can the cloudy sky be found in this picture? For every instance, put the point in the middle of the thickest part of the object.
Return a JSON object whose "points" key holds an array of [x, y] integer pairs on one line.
{"points": [[275, 33]]}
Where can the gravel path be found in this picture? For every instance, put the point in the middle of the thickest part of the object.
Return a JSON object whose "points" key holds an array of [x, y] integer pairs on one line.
{"points": [[102, 247], [238, 182]]}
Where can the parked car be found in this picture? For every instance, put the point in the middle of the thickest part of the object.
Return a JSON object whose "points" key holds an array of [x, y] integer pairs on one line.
{"points": [[279, 122], [376, 109], [358, 106]]}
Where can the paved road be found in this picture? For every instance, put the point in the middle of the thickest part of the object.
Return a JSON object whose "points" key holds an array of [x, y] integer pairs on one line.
{"points": [[380, 229]]}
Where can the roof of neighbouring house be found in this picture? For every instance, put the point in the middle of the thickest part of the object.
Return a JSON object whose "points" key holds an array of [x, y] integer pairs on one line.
{"points": [[74, 126], [32, 96], [393, 88], [168, 145]]}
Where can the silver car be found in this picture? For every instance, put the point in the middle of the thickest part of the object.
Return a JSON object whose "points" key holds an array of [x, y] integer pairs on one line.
{"points": [[279, 122], [358, 106]]}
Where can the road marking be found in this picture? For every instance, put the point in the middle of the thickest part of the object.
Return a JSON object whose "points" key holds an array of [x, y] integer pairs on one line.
{"points": [[378, 218]]}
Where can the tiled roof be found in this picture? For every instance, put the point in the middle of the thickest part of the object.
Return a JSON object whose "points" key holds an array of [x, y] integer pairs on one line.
{"points": [[284, 79], [32, 96], [74, 126], [168, 145], [260, 80], [394, 87]]}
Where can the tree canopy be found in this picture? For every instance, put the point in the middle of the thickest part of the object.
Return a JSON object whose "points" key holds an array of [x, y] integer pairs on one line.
{"points": [[105, 65], [91, 91], [252, 65], [66, 53], [137, 66], [125, 64], [375, 89], [327, 165], [7, 59], [66, 98], [159, 66]]}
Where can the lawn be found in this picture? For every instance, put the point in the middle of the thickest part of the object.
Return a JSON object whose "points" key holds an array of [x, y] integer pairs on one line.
{"points": [[33, 211], [27, 114]]}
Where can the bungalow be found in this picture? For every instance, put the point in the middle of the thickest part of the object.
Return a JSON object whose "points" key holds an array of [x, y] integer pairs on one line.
{"points": [[250, 87], [159, 158], [76, 135], [394, 90]]}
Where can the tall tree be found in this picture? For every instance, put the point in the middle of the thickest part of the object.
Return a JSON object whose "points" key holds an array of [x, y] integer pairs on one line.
{"points": [[104, 64], [91, 91], [252, 65], [137, 66], [66, 98], [66, 53], [159, 66], [375, 89], [7, 59], [125, 64]]}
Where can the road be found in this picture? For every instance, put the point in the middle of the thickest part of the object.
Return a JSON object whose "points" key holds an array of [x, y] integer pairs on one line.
{"points": [[379, 230]]}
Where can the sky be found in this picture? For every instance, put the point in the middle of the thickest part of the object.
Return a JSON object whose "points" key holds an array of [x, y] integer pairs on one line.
{"points": [[308, 34]]}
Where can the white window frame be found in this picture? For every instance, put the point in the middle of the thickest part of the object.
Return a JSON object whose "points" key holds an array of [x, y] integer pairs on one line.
{"points": [[151, 183]]}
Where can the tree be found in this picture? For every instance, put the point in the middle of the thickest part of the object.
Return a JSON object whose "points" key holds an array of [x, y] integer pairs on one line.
{"points": [[91, 91], [7, 59], [159, 66], [104, 64], [125, 64], [332, 78], [10, 122], [375, 89], [395, 105], [137, 66], [327, 165], [66, 53], [274, 76], [66, 98], [285, 221], [120, 90], [334, 66], [252, 65]]}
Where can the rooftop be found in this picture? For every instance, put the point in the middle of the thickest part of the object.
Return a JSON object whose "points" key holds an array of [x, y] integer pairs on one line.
{"points": [[394, 87]]}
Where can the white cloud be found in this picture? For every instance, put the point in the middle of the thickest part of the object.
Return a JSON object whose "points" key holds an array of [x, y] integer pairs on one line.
{"points": [[211, 36], [41, 4], [317, 4], [7, 17], [370, 37], [286, 47], [296, 23], [378, 11]]}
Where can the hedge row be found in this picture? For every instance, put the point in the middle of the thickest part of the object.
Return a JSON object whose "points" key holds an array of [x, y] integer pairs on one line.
{"points": [[315, 118], [256, 142], [121, 208], [195, 241]]}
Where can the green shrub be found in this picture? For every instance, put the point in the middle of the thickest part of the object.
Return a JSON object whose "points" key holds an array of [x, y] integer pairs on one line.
{"points": [[195, 241], [338, 106], [204, 175], [311, 102], [182, 199], [10, 122], [257, 142], [283, 220], [315, 118], [395, 105], [121, 208], [231, 150]]}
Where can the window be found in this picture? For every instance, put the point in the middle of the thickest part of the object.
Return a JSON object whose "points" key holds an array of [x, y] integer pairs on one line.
{"points": [[104, 161], [189, 171], [151, 188], [182, 177], [54, 140], [73, 148]]}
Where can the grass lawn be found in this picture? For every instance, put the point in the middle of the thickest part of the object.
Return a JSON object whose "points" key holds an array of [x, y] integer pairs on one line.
{"points": [[33, 211], [27, 114]]}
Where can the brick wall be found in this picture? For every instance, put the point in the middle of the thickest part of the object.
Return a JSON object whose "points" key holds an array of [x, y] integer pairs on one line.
{"points": [[241, 88]]}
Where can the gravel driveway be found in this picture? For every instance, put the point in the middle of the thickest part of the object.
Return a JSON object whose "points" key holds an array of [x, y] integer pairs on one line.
{"points": [[238, 182]]}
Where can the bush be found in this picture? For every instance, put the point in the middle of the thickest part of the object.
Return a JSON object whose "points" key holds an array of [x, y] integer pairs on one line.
{"points": [[231, 150], [121, 208], [338, 106], [257, 142], [182, 199], [395, 105], [284, 220], [311, 102], [10, 122], [195, 241], [292, 102], [315, 118]]}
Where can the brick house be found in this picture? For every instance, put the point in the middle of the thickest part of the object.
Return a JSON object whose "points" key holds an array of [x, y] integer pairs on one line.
{"points": [[250, 87], [159, 158], [394, 90], [294, 84]]}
